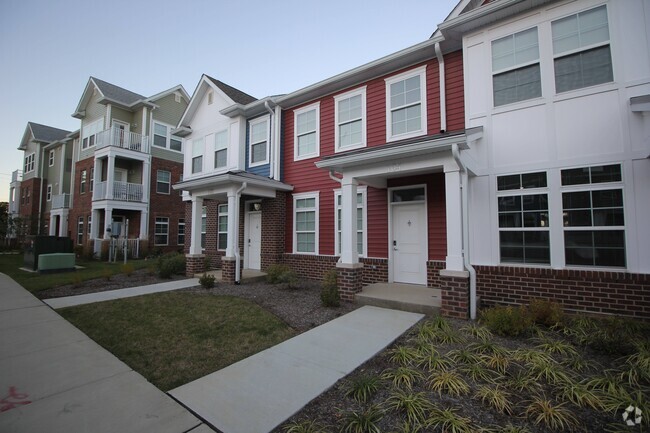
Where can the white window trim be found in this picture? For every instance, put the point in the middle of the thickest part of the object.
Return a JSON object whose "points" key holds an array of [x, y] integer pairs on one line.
{"points": [[169, 183], [49, 192], [181, 223], [156, 222], [250, 141], [29, 162], [219, 215], [227, 149], [337, 145], [315, 195], [50, 158], [421, 71], [363, 190], [168, 137], [296, 113], [92, 129], [204, 214]]}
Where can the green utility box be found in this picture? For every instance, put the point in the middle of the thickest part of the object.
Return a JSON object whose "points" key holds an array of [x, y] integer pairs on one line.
{"points": [[56, 262]]}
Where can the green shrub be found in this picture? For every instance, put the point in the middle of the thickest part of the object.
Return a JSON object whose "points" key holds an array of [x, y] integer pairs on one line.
{"points": [[207, 281], [171, 264], [507, 321], [544, 312], [128, 269], [281, 274], [78, 251], [329, 292]]}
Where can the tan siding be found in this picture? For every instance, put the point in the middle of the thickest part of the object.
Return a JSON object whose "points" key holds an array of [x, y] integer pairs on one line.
{"points": [[122, 115], [169, 155], [94, 111], [169, 110]]}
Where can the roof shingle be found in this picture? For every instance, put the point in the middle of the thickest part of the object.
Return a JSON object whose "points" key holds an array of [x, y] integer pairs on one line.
{"points": [[47, 133], [236, 95], [116, 93]]}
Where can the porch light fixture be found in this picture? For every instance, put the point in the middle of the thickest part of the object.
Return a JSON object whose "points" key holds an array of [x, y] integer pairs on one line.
{"points": [[257, 206]]}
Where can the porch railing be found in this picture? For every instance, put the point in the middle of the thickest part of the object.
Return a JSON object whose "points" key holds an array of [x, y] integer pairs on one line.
{"points": [[16, 176], [123, 191], [61, 201], [101, 246], [120, 138]]}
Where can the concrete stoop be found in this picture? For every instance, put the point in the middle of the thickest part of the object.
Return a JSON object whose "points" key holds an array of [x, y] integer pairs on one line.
{"points": [[403, 297]]}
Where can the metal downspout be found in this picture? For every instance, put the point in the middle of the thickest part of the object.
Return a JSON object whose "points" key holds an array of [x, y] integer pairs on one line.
{"points": [[465, 215], [443, 97], [40, 196], [271, 137], [236, 246]]}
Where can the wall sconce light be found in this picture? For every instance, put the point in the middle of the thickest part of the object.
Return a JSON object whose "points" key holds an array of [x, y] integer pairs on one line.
{"points": [[257, 207]]}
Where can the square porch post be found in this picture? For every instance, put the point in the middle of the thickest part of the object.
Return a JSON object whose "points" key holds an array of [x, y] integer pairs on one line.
{"points": [[349, 270]]}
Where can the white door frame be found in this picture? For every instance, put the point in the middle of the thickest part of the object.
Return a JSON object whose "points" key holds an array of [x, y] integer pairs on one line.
{"points": [[247, 213], [391, 259]]}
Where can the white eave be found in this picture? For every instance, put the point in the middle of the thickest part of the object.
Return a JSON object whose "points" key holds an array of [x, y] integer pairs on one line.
{"points": [[640, 104], [250, 110], [230, 178]]}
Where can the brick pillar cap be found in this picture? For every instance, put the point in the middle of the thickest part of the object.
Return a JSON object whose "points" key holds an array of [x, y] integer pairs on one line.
{"points": [[349, 265], [228, 259], [190, 256], [454, 274]]}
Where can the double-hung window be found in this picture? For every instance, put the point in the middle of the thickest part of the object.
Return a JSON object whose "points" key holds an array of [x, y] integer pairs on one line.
{"points": [[581, 50], [221, 149], [50, 160], [259, 148], [305, 223], [162, 137], [82, 181], [90, 132], [181, 231], [89, 226], [204, 225], [197, 155], [222, 227], [29, 163], [361, 221], [350, 120], [49, 193], [80, 230], [406, 114], [523, 218], [161, 231], [515, 68], [163, 181], [594, 218], [306, 132], [92, 179]]}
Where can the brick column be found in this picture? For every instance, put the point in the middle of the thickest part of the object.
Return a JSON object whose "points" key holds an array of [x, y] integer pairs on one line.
{"points": [[349, 279], [455, 294], [194, 264], [228, 270]]}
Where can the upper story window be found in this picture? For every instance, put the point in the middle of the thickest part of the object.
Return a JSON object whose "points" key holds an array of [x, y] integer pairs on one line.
{"points": [[50, 159], [581, 50], [82, 181], [197, 155], [259, 148], [163, 181], [90, 132], [29, 163], [306, 132], [350, 120], [406, 108], [48, 194], [515, 67], [162, 137], [221, 149]]}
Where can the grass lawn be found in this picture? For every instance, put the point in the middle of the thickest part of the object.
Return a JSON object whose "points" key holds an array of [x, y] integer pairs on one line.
{"points": [[35, 282], [174, 338]]}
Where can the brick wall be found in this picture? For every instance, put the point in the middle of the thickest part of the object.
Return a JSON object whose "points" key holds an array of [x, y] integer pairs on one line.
{"points": [[455, 297], [310, 266], [82, 203], [374, 270], [595, 292], [433, 273], [28, 210], [349, 281], [166, 205], [273, 218]]}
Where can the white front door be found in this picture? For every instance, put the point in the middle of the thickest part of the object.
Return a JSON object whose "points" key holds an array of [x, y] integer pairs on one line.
{"points": [[254, 241], [408, 244]]}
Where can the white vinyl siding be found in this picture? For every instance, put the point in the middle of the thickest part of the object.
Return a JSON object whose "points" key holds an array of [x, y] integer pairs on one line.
{"points": [[306, 132], [305, 223], [406, 114], [350, 120]]}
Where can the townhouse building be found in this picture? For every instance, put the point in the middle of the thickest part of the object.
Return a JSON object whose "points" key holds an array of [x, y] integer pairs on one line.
{"points": [[36, 192], [558, 185], [124, 165]]}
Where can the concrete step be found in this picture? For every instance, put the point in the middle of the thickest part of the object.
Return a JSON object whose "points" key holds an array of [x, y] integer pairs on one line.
{"points": [[403, 297]]}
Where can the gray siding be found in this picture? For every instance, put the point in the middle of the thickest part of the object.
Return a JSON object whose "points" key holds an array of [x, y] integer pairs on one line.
{"points": [[94, 111], [170, 111], [170, 155], [35, 149], [123, 115]]}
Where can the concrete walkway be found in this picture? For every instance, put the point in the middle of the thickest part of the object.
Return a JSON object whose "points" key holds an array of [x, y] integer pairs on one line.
{"points": [[258, 393], [54, 378], [109, 295]]}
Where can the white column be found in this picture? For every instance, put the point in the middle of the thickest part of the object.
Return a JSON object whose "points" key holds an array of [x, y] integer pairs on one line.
{"points": [[144, 224], [110, 177], [52, 227], [97, 179], [454, 260], [195, 238], [108, 219], [146, 180], [349, 253], [233, 223], [95, 229], [63, 223]]}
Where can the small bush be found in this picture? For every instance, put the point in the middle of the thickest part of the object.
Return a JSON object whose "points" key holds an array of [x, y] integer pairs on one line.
{"points": [[78, 251], [329, 292], [207, 281], [275, 273], [544, 312], [128, 269], [207, 263], [107, 273], [171, 264], [363, 388], [507, 321]]}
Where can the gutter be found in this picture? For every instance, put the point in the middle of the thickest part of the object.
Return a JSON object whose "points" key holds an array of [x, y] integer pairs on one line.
{"points": [[443, 96], [465, 231], [40, 195], [271, 137], [236, 246]]}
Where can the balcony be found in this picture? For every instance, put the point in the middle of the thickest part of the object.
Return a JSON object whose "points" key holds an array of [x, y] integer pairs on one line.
{"points": [[116, 137], [61, 201], [17, 176], [123, 191]]}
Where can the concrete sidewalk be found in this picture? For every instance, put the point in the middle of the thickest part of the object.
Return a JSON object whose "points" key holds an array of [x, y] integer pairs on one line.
{"points": [[54, 378], [109, 295], [258, 393]]}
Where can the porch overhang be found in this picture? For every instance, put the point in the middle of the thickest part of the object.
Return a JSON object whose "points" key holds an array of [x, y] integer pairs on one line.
{"points": [[219, 184]]}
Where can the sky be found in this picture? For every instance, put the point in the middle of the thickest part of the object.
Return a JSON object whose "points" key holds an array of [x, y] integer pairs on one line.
{"points": [[49, 49]]}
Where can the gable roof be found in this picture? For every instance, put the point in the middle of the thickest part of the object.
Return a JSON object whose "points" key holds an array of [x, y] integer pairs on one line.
{"points": [[236, 95], [117, 93], [41, 133]]}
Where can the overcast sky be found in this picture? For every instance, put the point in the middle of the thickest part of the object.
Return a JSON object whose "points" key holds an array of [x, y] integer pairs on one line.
{"points": [[48, 49]]}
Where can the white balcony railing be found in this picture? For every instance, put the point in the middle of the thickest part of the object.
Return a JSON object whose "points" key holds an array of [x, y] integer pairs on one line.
{"points": [[123, 191], [17, 176], [117, 137], [61, 201]]}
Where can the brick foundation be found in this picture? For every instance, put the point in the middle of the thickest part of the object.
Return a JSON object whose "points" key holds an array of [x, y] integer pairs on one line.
{"points": [[310, 266], [350, 281], [455, 297], [194, 264], [273, 219], [593, 292], [374, 270], [433, 273], [228, 270]]}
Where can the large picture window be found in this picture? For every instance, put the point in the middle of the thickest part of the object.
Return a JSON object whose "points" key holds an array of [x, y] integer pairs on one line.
{"points": [[594, 217], [515, 67], [581, 50], [406, 105], [523, 218], [305, 239]]}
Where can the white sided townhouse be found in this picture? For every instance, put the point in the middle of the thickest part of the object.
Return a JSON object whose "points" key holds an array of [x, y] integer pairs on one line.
{"points": [[559, 197]]}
